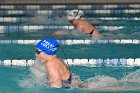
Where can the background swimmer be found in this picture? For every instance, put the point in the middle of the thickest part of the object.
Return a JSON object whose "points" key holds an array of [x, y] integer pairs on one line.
{"points": [[82, 25]]}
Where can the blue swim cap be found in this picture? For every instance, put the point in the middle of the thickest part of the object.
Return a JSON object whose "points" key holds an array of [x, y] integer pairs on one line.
{"points": [[48, 46]]}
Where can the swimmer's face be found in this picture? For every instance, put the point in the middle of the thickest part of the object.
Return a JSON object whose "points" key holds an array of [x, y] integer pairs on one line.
{"points": [[41, 55], [71, 21]]}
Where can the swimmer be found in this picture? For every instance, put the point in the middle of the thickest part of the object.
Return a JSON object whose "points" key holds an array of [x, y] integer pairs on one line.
{"points": [[58, 72], [80, 24]]}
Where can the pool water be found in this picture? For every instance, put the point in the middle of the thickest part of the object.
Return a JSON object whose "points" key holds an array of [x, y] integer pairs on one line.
{"points": [[97, 79], [103, 51], [19, 79]]}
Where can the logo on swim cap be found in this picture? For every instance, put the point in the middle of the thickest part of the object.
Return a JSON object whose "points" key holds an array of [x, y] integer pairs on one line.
{"points": [[48, 46], [75, 14]]}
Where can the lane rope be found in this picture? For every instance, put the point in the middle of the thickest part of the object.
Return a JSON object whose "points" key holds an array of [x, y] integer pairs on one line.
{"points": [[115, 62], [73, 42]]}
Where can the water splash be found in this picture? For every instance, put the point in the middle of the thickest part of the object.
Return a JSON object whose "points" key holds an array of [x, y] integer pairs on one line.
{"points": [[100, 82], [132, 80], [49, 19], [39, 79], [39, 72], [128, 82], [38, 76]]}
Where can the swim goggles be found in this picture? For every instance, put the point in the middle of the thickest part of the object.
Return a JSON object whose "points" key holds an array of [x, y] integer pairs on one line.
{"points": [[38, 52]]}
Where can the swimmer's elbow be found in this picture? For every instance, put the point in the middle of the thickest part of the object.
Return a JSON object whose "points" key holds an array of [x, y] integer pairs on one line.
{"points": [[96, 33], [55, 85]]}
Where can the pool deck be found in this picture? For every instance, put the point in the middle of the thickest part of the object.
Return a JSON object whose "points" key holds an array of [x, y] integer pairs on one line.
{"points": [[60, 2]]}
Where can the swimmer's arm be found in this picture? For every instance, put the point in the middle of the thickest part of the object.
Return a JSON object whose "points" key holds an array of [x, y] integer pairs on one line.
{"points": [[59, 32], [88, 26], [54, 78], [80, 27]]}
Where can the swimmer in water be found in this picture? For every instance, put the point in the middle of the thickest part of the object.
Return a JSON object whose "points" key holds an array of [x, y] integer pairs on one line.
{"points": [[58, 72], [79, 23]]}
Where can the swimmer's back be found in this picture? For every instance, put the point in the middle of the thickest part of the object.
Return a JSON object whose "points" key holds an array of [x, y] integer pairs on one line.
{"points": [[62, 68]]}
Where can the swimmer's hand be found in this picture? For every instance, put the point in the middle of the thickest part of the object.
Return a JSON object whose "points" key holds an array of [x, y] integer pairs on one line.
{"points": [[58, 33]]}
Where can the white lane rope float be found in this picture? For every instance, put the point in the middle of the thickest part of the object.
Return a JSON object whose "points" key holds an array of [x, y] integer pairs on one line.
{"points": [[50, 11], [38, 7], [27, 19], [115, 62], [25, 28], [73, 42], [43, 27]]}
